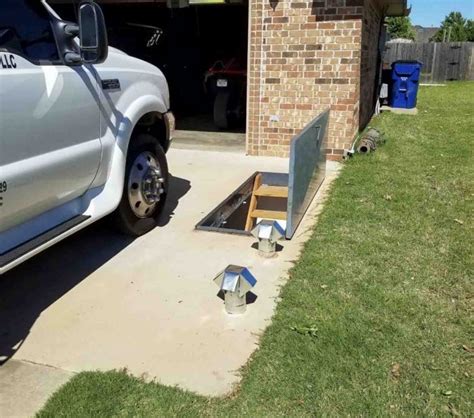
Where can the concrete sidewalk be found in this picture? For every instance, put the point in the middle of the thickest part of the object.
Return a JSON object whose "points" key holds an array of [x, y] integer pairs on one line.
{"points": [[209, 141], [25, 387], [99, 301]]}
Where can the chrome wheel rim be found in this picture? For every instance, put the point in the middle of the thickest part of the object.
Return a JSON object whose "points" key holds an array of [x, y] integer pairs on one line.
{"points": [[145, 185]]}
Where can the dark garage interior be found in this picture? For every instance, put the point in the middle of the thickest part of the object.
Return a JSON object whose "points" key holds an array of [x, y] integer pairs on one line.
{"points": [[201, 49]]}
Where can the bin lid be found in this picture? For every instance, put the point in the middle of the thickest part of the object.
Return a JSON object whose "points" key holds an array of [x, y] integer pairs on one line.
{"points": [[409, 62], [404, 67]]}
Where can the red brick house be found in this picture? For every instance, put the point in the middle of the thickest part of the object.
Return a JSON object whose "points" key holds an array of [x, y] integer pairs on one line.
{"points": [[303, 57], [306, 56]]}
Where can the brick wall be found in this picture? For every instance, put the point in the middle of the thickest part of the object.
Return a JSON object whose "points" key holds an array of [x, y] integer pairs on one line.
{"points": [[305, 56], [371, 27]]}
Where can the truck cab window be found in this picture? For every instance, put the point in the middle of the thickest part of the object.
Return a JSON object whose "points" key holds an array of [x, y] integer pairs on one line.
{"points": [[25, 28]]}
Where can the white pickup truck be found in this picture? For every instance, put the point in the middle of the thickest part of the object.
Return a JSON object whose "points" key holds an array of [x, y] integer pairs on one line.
{"points": [[83, 130]]}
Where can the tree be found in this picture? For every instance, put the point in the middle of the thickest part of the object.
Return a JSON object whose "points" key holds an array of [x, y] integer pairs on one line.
{"points": [[400, 27], [455, 28], [470, 30]]}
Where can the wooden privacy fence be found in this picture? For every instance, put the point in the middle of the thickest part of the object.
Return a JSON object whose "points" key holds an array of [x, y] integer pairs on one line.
{"points": [[441, 61]]}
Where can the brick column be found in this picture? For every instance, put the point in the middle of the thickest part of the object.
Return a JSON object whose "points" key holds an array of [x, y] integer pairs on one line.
{"points": [[371, 28], [305, 56]]}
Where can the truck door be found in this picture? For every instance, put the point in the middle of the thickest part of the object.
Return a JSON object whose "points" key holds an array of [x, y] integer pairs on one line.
{"points": [[50, 146]]}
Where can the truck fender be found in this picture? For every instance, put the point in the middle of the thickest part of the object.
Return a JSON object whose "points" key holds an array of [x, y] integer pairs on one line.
{"points": [[105, 199], [139, 108]]}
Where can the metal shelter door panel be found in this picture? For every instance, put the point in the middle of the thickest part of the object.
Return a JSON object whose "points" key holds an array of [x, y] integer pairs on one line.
{"points": [[307, 170]]}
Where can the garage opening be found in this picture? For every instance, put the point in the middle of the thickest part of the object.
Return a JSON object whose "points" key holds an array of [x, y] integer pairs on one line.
{"points": [[201, 47]]}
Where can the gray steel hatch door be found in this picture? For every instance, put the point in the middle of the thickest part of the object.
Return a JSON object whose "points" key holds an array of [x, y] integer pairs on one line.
{"points": [[307, 170]]}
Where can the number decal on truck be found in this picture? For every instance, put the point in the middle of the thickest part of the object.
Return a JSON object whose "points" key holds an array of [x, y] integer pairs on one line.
{"points": [[3, 189]]}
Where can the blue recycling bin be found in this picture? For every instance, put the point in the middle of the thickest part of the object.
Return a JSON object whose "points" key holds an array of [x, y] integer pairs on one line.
{"points": [[405, 80]]}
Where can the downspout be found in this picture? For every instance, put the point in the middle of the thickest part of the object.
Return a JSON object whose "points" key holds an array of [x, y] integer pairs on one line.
{"points": [[378, 74]]}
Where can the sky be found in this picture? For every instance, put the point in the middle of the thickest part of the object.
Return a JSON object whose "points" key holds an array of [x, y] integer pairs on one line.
{"points": [[432, 12]]}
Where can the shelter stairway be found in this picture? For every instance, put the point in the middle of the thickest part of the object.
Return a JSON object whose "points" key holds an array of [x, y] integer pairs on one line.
{"points": [[264, 190]]}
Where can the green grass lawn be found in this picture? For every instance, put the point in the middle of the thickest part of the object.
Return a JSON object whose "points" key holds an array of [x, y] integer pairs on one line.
{"points": [[386, 279]]}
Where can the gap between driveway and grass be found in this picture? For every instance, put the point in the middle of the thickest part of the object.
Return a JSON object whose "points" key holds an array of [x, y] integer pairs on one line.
{"points": [[375, 317]]}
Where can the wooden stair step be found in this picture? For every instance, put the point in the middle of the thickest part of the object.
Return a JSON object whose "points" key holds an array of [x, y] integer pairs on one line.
{"points": [[268, 214], [253, 202], [272, 191]]}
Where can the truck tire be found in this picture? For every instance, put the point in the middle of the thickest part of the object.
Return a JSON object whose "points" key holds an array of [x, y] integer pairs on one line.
{"points": [[221, 108], [145, 187]]}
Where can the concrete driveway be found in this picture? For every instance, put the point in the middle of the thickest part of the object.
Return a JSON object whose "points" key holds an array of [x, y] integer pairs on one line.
{"points": [[101, 301]]}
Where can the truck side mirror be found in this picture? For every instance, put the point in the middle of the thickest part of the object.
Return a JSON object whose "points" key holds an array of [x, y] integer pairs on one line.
{"points": [[92, 33]]}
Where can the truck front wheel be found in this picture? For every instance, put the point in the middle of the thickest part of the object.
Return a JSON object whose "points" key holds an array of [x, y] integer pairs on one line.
{"points": [[145, 187]]}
